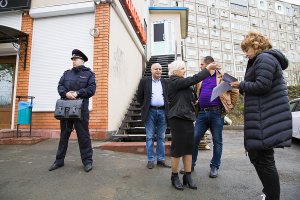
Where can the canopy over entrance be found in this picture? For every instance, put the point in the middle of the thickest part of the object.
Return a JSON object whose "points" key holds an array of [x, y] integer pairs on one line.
{"points": [[18, 39]]}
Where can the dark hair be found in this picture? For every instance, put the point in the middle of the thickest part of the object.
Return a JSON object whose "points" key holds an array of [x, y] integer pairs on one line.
{"points": [[208, 59]]}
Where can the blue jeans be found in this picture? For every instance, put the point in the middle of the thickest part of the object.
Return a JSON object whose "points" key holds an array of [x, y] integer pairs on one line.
{"points": [[155, 123], [214, 121]]}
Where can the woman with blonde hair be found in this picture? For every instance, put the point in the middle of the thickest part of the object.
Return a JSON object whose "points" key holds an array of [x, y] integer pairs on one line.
{"points": [[267, 116], [181, 117]]}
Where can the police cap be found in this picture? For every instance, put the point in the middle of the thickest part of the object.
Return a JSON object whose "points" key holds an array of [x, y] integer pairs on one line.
{"points": [[78, 54]]}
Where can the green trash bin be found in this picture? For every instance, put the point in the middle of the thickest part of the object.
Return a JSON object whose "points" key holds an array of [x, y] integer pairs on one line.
{"points": [[24, 112]]}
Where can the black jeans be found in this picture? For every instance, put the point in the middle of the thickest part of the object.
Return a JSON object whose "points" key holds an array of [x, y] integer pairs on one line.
{"points": [[264, 164]]}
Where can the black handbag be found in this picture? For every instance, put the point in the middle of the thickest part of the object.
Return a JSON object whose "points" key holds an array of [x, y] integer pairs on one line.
{"points": [[68, 109]]}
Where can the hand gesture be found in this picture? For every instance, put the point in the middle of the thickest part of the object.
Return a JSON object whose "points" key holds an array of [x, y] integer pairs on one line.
{"points": [[71, 95], [235, 84], [212, 67]]}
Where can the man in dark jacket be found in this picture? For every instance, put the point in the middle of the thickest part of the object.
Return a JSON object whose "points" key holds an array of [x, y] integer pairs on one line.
{"points": [[79, 82], [268, 120], [152, 95]]}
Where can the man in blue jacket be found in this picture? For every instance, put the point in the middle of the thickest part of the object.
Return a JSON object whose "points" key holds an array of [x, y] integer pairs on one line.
{"points": [[78, 82]]}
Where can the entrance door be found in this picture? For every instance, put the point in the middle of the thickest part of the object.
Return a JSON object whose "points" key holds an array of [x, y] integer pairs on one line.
{"points": [[163, 42], [7, 71]]}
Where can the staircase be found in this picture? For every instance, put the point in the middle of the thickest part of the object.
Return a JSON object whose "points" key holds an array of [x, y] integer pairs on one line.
{"points": [[132, 127]]}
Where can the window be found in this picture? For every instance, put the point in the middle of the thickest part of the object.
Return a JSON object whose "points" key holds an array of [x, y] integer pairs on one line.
{"points": [[192, 52], [191, 40], [202, 20], [279, 8], [202, 31], [158, 32], [203, 53], [240, 78], [215, 33], [294, 106], [215, 44], [224, 13], [240, 68], [227, 57], [191, 29], [262, 4], [226, 35], [297, 106]]}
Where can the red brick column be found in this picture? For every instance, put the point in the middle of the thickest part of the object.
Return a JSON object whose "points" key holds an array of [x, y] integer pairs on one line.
{"points": [[99, 115], [23, 75]]}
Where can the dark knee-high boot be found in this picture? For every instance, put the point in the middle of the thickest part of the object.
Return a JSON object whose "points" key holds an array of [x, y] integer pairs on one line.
{"points": [[176, 182], [187, 180]]}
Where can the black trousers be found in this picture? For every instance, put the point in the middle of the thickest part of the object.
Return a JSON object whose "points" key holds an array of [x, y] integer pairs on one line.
{"points": [[83, 135], [264, 164]]}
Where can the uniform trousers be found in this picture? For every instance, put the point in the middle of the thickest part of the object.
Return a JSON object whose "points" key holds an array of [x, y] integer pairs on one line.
{"points": [[83, 136]]}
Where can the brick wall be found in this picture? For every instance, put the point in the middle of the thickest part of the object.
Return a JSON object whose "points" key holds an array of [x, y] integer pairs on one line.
{"points": [[43, 123], [23, 75], [99, 115]]}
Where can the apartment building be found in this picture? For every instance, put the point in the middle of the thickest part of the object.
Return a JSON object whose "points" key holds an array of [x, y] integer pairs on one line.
{"points": [[216, 28]]}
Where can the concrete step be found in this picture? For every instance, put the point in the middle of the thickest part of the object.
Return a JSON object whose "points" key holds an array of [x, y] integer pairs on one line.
{"points": [[131, 147], [22, 140]]}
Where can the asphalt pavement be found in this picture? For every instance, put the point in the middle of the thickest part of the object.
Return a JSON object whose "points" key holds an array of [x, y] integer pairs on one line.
{"points": [[24, 174]]}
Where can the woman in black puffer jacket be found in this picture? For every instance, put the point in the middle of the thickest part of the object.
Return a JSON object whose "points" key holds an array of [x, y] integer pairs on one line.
{"points": [[268, 120]]}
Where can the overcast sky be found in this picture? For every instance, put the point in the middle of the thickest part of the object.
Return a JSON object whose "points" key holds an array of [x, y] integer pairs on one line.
{"points": [[297, 2]]}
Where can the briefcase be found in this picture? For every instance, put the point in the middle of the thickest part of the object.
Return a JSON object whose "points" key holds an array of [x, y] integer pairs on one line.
{"points": [[68, 109]]}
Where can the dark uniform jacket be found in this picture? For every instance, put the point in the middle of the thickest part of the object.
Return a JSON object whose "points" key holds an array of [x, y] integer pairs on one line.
{"points": [[145, 92], [268, 120], [81, 80], [181, 97]]}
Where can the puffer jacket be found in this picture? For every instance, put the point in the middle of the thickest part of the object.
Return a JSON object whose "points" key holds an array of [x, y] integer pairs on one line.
{"points": [[268, 120]]}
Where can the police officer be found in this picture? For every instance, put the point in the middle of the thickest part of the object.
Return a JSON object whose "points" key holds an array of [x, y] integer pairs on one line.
{"points": [[78, 82]]}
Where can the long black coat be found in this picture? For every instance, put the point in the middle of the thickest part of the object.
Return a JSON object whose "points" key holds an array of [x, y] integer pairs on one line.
{"points": [[145, 92], [268, 120], [181, 97]]}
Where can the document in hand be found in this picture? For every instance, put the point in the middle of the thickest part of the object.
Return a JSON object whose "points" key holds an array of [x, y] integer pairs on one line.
{"points": [[223, 87]]}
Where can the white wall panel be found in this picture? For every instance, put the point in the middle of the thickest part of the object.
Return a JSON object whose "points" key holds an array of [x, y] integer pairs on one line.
{"points": [[125, 70], [53, 40]]}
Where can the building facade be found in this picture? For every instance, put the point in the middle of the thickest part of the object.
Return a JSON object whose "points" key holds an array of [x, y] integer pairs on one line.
{"points": [[103, 30]]}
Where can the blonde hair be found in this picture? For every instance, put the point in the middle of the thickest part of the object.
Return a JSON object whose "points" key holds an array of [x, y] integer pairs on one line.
{"points": [[257, 41], [175, 66]]}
